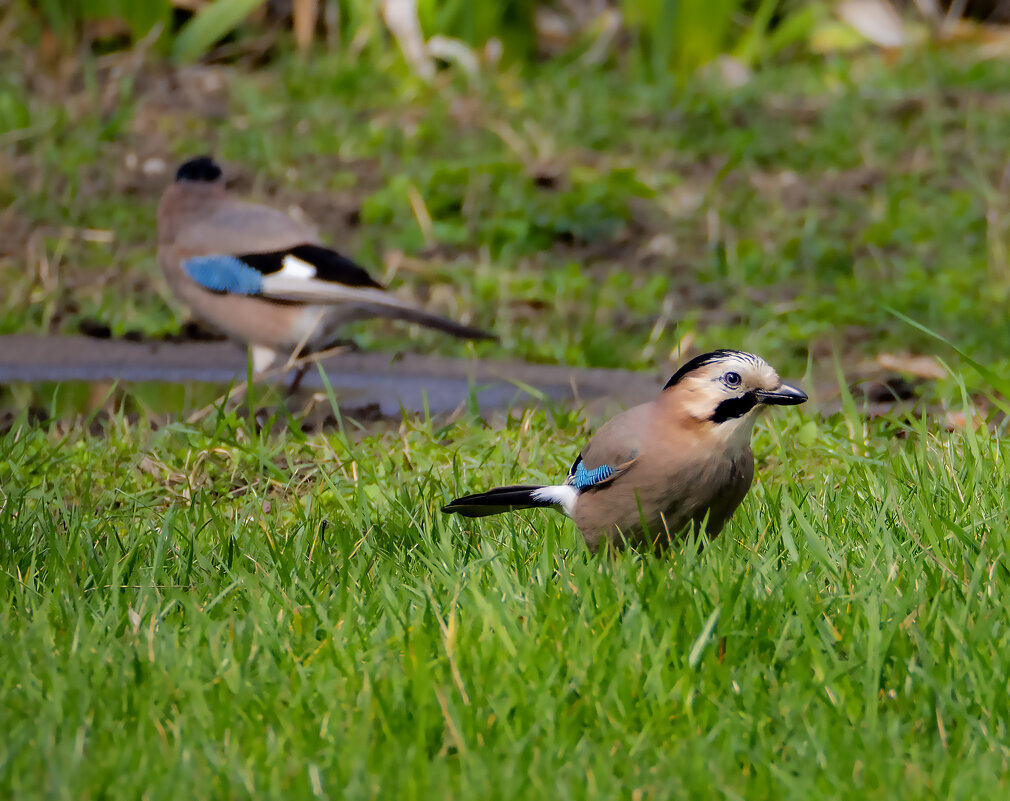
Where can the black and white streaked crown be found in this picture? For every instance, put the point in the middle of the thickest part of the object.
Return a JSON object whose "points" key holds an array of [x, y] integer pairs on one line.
{"points": [[709, 358], [201, 169]]}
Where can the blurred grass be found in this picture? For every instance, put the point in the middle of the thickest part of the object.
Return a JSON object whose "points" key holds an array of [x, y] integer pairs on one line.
{"points": [[666, 37], [596, 222]]}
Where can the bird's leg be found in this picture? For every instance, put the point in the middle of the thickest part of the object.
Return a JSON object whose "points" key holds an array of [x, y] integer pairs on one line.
{"points": [[309, 356], [296, 382], [345, 344]]}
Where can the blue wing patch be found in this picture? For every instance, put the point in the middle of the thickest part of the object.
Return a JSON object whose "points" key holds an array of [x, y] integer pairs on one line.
{"points": [[224, 274], [583, 479]]}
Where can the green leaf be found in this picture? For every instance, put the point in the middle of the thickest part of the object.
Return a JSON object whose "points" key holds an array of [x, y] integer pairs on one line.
{"points": [[999, 383], [702, 640], [209, 25]]}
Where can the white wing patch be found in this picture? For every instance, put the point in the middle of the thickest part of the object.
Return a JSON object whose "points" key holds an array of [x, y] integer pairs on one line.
{"points": [[296, 268], [563, 495]]}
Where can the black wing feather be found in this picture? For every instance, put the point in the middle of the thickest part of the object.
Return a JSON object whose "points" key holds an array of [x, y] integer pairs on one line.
{"points": [[575, 466], [330, 265]]}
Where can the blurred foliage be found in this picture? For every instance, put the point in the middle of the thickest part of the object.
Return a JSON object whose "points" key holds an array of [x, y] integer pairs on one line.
{"points": [[67, 18], [513, 22], [209, 24], [658, 38], [669, 31], [14, 111], [679, 36], [663, 36]]}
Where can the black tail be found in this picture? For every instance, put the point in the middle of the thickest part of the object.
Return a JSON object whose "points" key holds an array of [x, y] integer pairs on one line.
{"points": [[435, 321], [497, 500]]}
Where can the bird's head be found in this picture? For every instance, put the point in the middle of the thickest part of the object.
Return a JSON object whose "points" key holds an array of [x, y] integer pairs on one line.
{"points": [[202, 169], [727, 388], [198, 183]]}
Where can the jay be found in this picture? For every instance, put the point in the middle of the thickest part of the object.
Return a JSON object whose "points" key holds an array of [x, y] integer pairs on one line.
{"points": [[262, 277], [654, 471]]}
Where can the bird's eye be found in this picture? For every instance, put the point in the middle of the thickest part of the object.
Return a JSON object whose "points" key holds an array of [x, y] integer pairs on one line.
{"points": [[732, 379]]}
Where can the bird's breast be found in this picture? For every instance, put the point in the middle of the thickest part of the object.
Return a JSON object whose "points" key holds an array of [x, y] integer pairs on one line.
{"points": [[666, 494]]}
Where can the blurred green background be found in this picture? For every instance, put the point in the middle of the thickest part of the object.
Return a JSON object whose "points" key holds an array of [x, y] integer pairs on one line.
{"points": [[610, 183]]}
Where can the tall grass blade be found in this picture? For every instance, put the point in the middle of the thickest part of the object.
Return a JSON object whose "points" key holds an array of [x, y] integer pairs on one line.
{"points": [[210, 24], [1000, 384]]}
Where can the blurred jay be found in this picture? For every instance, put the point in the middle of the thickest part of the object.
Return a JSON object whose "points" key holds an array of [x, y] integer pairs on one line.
{"points": [[262, 277]]}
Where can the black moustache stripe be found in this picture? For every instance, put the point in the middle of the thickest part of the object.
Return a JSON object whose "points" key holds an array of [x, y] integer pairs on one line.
{"points": [[734, 407]]}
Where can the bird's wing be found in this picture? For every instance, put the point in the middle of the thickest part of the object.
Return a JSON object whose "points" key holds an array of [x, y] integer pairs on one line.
{"points": [[314, 275], [613, 450], [306, 273], [248, 249], [233, 226], [584, 478]]}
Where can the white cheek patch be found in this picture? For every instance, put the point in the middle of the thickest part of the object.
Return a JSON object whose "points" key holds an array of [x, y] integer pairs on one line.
{"points": [[293, 267], [701, 399]]}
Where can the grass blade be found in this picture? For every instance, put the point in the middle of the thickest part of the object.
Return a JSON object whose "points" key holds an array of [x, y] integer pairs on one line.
{"points": [[210, 24]]}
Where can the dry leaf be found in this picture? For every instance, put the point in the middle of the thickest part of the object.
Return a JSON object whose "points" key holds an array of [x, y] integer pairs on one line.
{"points": [[918, 366]]}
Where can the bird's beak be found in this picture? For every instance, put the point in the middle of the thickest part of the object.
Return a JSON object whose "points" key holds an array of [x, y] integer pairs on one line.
{"points": [[784, 395]]}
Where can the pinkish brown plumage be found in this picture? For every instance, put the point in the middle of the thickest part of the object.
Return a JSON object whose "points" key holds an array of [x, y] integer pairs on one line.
{"points": [[656, 470], [281, 289]]}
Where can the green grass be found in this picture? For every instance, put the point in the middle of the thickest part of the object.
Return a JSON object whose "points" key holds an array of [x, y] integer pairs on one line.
{"points": [[213, 611], [221, 609]]}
